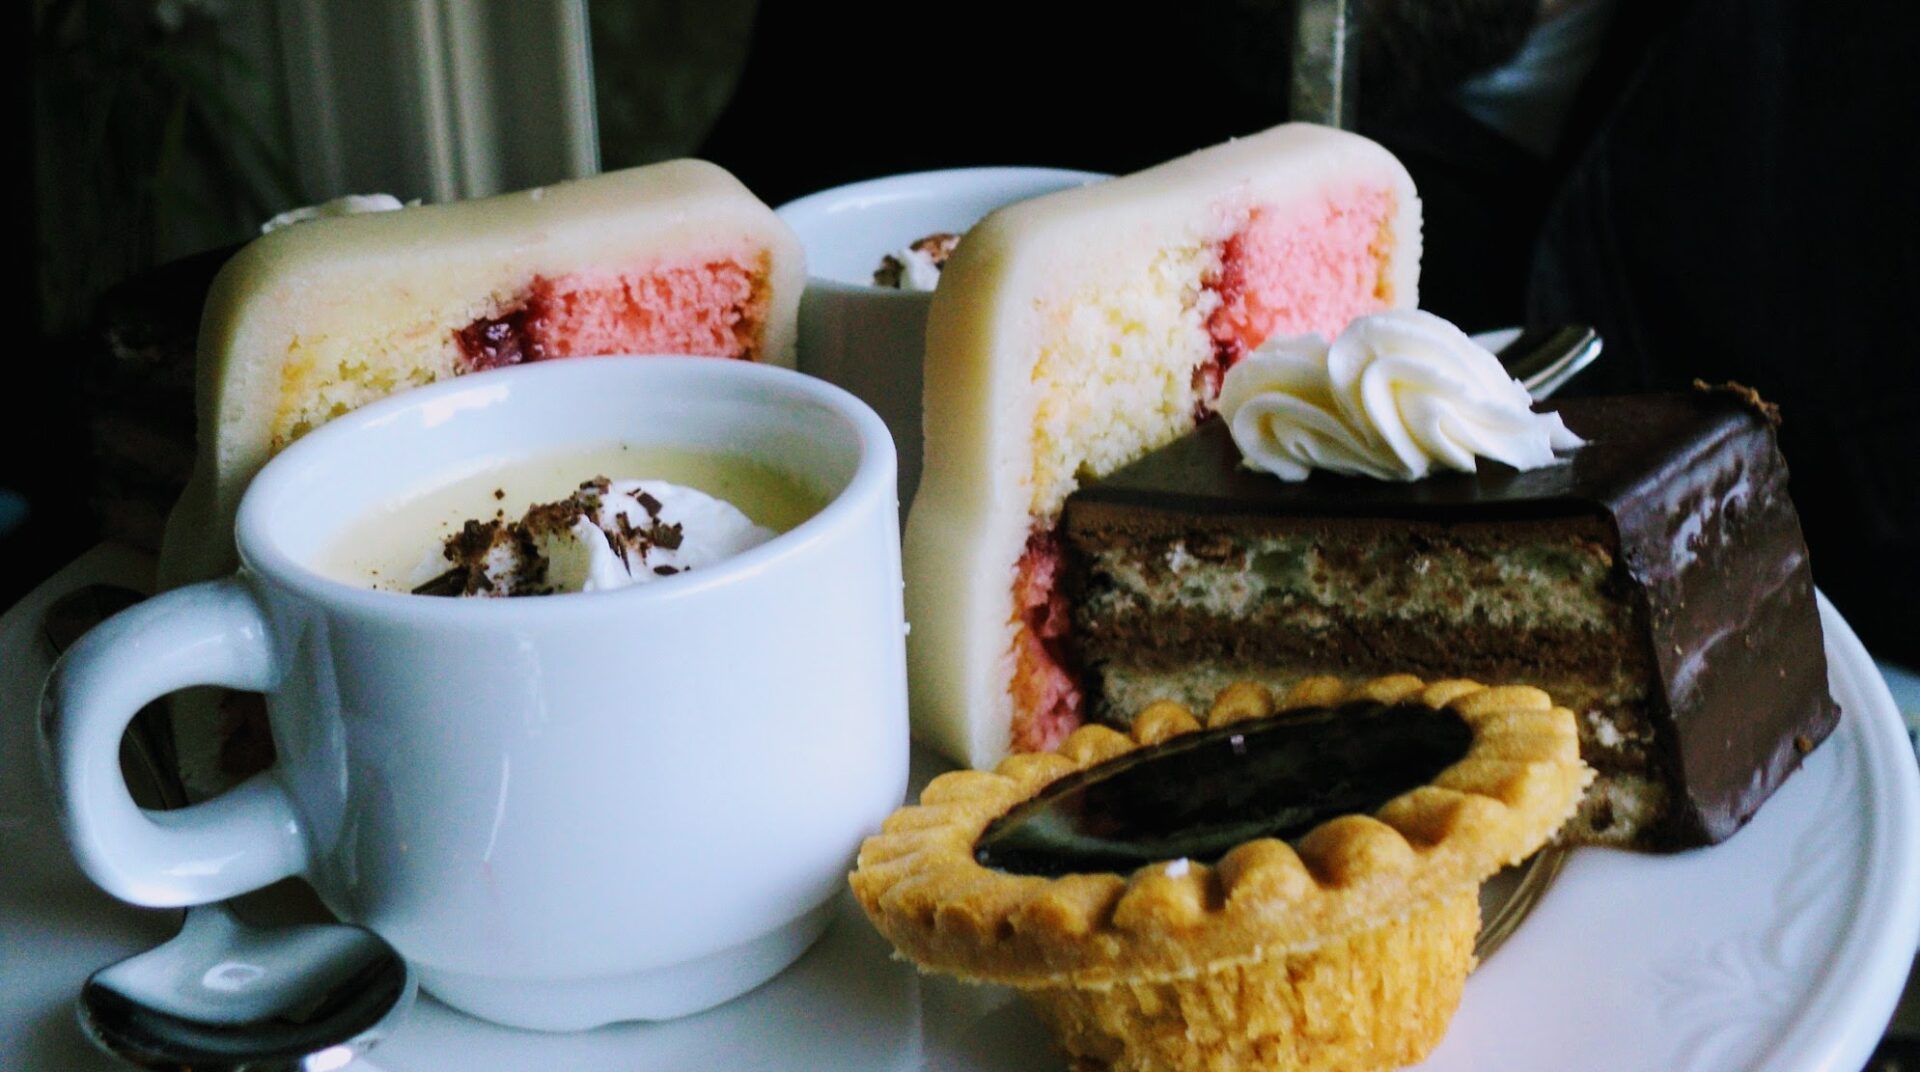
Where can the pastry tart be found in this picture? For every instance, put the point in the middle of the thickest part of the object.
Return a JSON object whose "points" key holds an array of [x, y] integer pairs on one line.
{"points": [[1287, 884]]}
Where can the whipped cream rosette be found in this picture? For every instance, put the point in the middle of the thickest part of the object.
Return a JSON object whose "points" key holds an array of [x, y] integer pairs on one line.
{"points": [[1395, 396]]}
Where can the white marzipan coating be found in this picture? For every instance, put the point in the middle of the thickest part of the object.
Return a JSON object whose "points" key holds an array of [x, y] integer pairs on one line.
{"points": [[1000, 298], [400, 283]]}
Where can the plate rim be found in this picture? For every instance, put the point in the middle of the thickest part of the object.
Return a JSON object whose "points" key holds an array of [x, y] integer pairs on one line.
{"points": [[1845, 1013]]}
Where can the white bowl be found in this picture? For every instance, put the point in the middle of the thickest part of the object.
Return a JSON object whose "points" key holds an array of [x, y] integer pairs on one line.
{"points": [[869, 339]]}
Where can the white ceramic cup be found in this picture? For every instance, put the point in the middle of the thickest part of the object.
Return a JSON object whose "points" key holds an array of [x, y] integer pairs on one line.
{"points": [[564, 810], [871, 340]]}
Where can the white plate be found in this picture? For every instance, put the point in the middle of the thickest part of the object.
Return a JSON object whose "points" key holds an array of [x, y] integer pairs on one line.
{"points": [[1783, 949]]}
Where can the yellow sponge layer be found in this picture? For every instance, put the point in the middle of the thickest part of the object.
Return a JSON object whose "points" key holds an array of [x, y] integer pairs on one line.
{"points": [[1115, 376], [332, 375]]}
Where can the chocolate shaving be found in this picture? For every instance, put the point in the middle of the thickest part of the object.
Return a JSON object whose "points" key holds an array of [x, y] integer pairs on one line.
{"points": [[935, 247], [665, 571], [618, 546], [667, 536], [938, 247], [451, 583], [530, 575], [889, 273], [648, 503], [471, 541], [553, 517]]}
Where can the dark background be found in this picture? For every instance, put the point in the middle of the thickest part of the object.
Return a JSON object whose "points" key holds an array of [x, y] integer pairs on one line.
{"points": [[1732, 196]]}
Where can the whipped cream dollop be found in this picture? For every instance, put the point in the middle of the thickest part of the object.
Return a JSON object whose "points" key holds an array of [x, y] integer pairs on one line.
{"points": [[1397, 395], [609, 534], [350, 205]]}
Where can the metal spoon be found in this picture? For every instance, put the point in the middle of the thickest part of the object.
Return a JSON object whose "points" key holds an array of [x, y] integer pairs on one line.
{"points": [[1544, 359], [222, 996]]}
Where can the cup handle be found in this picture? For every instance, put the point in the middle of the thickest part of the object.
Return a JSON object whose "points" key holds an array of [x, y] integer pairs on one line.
{"points": [[214, 633]]}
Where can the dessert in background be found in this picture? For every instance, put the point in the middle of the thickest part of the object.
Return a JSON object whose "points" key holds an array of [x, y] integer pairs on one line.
{"points": [[1654, 581], [608, 534], [137, 383], [1292, 887], [918, 266], [138, 380], [312, 321], [1073, 333]]}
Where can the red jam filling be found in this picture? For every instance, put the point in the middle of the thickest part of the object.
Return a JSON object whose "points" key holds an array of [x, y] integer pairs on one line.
{"points": [[1046, 696]]}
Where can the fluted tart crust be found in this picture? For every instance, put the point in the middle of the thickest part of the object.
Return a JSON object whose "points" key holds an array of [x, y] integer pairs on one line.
{"points": [[919, 881]]}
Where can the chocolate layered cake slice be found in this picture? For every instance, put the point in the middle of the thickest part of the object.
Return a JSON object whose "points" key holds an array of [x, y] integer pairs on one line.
{"points": [[1657, 584], [317, 319], [1071, 334]]}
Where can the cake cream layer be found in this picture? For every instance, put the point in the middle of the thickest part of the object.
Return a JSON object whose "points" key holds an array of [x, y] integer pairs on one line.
{"points": [[1657, 584], [1075, 332], [1306, 577], [1177, 607], [314, 320]]}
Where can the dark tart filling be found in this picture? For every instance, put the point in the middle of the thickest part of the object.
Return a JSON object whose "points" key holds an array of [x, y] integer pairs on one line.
{"points": [[1199, 795], [1469, 779]]}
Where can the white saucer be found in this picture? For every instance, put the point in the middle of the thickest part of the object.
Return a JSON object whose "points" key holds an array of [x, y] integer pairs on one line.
{"points": [[1783, 949]]}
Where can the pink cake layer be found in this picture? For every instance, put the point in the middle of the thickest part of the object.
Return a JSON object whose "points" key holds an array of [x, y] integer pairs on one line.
{"points": [[1310, 268], [711, 307]]}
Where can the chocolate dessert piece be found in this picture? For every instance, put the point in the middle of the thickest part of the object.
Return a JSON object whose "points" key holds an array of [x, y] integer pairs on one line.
{"points": [[1657, 584], [138, 388]]}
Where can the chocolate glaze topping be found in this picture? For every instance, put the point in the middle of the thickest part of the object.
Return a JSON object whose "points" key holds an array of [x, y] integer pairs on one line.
{"points": [[1198, 795], [1689, 492]]}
